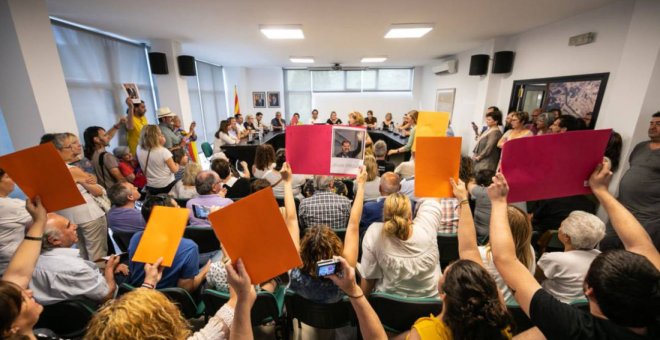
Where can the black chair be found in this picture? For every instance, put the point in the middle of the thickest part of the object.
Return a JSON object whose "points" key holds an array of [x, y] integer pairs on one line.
{"points": [[68, 319], [398, 314], [268, 307], [521, 321], [448, 248], [184, 301], [341, 233], [280, 202], [181, 202], [204, 236], [123, 289], [318, 315], [123, 239]]}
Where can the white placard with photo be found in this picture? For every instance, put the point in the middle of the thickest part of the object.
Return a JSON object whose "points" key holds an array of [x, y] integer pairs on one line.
{"points": [[132, 92], [347, 150]]}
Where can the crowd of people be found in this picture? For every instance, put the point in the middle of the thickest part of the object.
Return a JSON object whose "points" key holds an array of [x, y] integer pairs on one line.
{"points": [[381, 233]]}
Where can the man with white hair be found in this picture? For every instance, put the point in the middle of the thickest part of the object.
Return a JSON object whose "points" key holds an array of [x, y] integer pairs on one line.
{"points": [[380, 151], [324, 207], [564, 272], [211, 195], [61, 274]]}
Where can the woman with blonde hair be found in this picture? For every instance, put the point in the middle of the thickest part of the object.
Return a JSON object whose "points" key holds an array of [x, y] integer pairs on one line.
{"points": [[372, 186], [400, 255], [356, 119], [412, 120], [185, 188], [156, 161], [518, 121], [145, 313]]}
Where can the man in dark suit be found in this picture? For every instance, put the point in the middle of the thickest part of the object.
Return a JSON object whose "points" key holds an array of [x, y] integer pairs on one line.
{"points": [[346, 151]]}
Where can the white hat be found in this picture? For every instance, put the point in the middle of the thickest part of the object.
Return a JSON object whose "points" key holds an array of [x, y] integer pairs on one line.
{"points": [[165, 112]]}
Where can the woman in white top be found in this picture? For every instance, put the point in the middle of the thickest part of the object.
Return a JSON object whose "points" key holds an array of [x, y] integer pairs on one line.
{"points": [[521, 229], [563, 273], [90, 218], [222, 137], [400, 256], [372, 187], [265, 169], [185, 188], [156, 161]]}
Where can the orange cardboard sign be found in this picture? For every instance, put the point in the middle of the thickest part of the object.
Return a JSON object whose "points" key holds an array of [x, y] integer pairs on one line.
{"points": [[431, 124], [437, 159], [162, 235], [40, 171], [253, 229]]}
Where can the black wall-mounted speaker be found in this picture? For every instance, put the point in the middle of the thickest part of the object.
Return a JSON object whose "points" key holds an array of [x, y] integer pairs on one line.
{"points": [[158, 62], [479, 65], [186, 65], [503, 62]]}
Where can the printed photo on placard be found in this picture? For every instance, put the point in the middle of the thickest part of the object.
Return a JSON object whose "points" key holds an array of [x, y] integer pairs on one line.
{"points": [[132, 92], [347, 150]]}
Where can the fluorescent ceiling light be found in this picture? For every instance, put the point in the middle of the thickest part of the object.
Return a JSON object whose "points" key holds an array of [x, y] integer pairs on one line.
{"points": [[302, 60], [373, 59], [282, 31], [408, 31]]}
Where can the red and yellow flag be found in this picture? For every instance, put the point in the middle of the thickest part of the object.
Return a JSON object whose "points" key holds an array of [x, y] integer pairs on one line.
{"points": [[237, 108]]}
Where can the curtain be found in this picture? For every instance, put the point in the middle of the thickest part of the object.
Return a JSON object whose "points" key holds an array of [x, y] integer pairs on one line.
{"points": [[95, 66]]}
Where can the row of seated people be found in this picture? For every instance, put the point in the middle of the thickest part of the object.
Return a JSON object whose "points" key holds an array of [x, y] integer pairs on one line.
{"points": [[400, 256]]}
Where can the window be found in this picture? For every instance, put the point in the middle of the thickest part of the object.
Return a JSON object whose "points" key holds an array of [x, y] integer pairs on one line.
{"points": [[382, 79], [6, 145], [207, 99], [298, 92], [95, 65]]}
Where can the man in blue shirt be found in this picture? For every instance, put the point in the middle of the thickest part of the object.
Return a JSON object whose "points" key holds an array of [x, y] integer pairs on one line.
{"points": [[123, 216], [373, 211], [278, 123], [184, 272]]}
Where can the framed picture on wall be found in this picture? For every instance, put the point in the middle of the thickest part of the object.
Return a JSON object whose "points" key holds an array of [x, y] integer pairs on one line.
{"points": [[273, 99], [444, 100], [258, 99]]}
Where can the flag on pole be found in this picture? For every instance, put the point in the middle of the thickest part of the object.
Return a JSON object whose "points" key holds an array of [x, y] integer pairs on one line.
{"points": [[237, 108]]}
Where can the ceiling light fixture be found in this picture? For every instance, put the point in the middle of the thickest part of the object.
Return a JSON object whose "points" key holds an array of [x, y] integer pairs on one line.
{"points": [[400, 31], [373, 59], [282, 31], [302, 60]]}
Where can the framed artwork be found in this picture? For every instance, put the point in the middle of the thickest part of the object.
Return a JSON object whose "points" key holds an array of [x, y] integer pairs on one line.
{"points": [[444, 100], [273, 99], [258, 99]]}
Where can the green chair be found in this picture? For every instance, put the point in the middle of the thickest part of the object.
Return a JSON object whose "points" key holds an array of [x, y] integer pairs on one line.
{"points": [[124, 288], [204, 237], [68, 319], [207, 149], [581, 304], [398, 314], [268, 307], [549, 241], [448, 248], [184, 301], [341, 233], [318, 315]]}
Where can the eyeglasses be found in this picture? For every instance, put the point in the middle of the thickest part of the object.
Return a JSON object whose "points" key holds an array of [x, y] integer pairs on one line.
{"points": [[68, 147]]}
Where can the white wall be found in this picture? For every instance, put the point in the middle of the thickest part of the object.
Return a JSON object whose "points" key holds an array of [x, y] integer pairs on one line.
{"points": [[263, 80]]}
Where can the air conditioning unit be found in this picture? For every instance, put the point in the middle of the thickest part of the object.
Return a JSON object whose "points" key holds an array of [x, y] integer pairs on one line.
{"points": [[446, 67]]}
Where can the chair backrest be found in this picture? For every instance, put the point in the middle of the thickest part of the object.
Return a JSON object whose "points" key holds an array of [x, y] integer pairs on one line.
{"points": [[123, 239], [207, 149], [183, 300], [341, 233], [398, 314], [204, 237], [521, 321], [448, 248], [68, 319], [181, 202], [124, 288], [319, 315], [268, 306], [549, 241], [581, 304]]}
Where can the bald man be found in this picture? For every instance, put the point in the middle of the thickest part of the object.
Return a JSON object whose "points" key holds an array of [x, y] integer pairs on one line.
{"points": [[373, 211], [61, 274]]}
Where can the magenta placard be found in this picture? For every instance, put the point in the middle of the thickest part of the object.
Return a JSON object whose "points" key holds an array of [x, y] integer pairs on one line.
{"points": [[552, 166]]}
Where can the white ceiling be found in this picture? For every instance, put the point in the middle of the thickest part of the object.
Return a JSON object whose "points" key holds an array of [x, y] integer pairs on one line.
{"points": [[340, 31]]}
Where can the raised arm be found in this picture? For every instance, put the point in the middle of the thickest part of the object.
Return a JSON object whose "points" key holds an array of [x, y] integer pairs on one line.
{"points": [[290, 206], [352, 237], [515, 274], [370, 326], [21, 265], [239, 281], [467, 235], [630, 231], [129, 119]]}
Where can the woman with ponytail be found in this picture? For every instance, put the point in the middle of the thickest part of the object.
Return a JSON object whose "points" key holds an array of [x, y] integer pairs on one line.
{"points": [[400, 255]]}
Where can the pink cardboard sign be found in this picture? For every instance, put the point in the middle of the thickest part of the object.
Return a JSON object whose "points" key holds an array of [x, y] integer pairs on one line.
{"points": [[309, 150], [552, 166]]}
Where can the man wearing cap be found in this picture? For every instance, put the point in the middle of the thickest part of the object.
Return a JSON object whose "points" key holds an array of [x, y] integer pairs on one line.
{"points": [[165, 116]]}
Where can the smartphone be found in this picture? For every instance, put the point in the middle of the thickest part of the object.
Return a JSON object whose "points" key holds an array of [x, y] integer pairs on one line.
{"points": [[327, 267], [201, 212]]}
